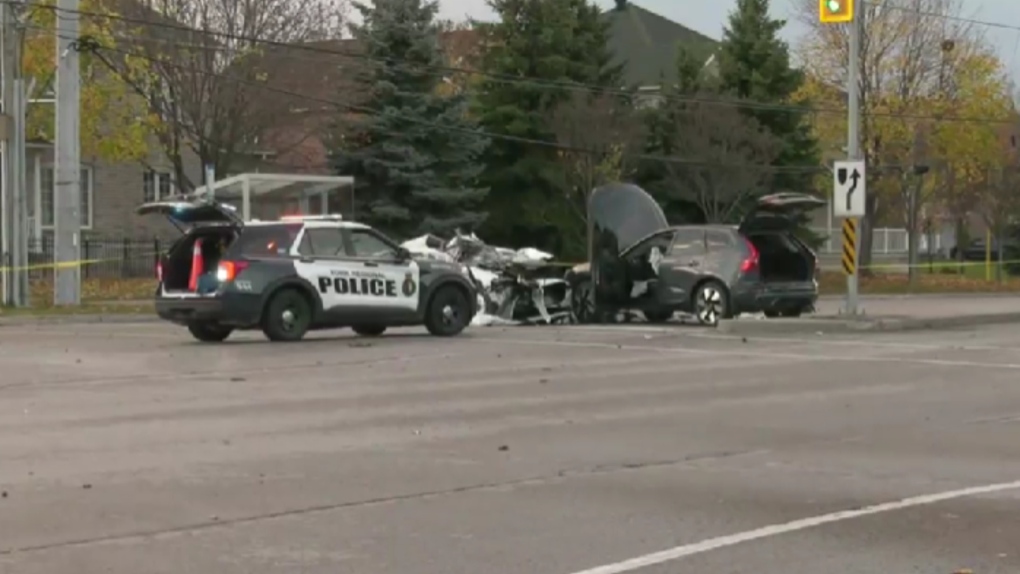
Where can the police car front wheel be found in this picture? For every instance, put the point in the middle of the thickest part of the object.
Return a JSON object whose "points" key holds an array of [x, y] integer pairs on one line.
{"points": [[287, 316], [449, 311]]}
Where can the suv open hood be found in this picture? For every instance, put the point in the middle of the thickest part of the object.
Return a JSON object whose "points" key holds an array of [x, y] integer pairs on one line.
{"points": [[622, 214], [779, 211], [188, 213]]}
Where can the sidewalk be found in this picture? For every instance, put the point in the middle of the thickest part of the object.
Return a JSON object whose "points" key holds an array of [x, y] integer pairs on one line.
{"points": [[890, 313]]}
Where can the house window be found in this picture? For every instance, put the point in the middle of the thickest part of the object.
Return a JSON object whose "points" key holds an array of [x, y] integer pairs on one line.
{"points": [[46, 197], [156, 185]]}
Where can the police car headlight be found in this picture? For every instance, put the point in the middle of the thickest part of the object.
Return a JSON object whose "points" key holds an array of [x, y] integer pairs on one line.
{"points": [[222, 275]]}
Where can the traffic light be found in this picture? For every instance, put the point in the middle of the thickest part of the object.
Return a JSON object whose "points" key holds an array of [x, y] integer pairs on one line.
{"points": [[835, 11]]}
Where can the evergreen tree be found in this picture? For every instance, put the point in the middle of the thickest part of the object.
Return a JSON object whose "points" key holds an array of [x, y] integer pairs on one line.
{"points": [[414, 152], [754, 64], [545, 41]]}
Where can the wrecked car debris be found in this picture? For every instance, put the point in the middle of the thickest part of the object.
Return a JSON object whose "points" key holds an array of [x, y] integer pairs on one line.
{"points": [[516, 286]]}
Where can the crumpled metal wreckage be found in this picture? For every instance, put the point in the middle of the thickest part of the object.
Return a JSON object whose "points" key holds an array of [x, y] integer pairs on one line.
{"points": [[515, 286]]}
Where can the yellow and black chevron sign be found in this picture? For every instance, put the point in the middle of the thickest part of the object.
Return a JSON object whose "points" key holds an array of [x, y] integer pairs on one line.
{"points": [[850, 245]]}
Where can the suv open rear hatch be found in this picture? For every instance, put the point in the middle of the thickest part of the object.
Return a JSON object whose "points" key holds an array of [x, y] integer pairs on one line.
{"points": [[185, 212], [779, 211]]}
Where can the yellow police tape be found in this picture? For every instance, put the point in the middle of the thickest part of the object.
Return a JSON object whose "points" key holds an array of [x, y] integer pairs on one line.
{"points": [[946, 265], [71, 264], [61, 265]]}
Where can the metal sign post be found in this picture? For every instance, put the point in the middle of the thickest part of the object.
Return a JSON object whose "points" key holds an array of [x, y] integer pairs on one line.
{"points": [[848, 201], [849, 179]]}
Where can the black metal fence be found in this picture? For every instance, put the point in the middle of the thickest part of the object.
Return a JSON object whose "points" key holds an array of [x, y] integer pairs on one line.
{"points": [[101, 258]]}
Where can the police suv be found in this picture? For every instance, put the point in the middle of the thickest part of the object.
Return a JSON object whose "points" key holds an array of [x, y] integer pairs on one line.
{"points": [[296, 274]]}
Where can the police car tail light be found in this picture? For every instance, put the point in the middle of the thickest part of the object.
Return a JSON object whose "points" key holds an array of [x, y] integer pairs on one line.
{"points": [[229, 270]]}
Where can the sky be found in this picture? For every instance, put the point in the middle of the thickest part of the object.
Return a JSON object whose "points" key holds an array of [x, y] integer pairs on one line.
{"points": [[709, 16]]}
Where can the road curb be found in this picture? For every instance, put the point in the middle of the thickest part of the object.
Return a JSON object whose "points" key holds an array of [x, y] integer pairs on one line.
{"points": [[872, 324], [74, 319], [863, 299]]}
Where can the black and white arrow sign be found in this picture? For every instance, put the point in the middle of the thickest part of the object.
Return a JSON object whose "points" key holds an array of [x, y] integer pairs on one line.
{"points": [[848, 188]]}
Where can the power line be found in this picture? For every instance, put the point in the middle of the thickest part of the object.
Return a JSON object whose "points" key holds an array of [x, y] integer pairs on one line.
{"points": [[522, 80], [942, 16], [440, 127]]}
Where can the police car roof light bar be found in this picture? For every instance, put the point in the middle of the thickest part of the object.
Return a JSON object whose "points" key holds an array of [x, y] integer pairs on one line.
{"points": [[326, 217]]}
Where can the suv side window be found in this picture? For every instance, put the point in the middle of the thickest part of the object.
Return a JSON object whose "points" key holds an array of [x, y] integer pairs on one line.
{"points": [[689, 242], [367, 245], [718, 240], [322, 242]]}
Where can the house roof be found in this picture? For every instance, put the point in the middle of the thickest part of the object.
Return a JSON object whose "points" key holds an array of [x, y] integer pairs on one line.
{"points": [[311, 83], [322, 72], [647, 43]]}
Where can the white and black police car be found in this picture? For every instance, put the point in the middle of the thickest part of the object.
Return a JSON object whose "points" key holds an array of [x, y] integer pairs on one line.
{"points": [[299, 273]]}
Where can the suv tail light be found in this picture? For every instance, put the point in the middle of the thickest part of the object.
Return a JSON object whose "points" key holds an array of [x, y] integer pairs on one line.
{"points": [[751, 263], [229, 270], [159, 271]]}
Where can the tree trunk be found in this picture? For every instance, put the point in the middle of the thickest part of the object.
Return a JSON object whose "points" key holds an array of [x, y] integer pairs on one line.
{"points": [[912, 228]]}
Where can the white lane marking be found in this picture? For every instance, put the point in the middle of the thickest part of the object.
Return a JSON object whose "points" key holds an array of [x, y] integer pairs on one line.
{"points": [[802, 524], [717, 353]]}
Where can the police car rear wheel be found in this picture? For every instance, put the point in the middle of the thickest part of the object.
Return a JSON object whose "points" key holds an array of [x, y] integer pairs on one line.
{"points": [[369, 330], [448, 313], [209, 332], [287, 316]]}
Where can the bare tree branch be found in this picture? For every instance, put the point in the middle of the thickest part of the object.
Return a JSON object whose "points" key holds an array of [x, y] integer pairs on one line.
{"points": [[596, 133], [204, 84], [716, 138]]}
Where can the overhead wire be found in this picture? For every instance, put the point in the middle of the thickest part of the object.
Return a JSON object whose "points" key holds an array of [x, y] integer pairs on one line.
{"points": [[514, 79], [520, 80], [371, 112]]}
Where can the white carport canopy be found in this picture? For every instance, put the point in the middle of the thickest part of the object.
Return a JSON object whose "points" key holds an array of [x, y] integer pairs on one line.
{"points": [[301, 191]]}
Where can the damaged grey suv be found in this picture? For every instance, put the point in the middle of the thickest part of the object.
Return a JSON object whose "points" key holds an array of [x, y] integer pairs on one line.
{"points": [[640, 262]]}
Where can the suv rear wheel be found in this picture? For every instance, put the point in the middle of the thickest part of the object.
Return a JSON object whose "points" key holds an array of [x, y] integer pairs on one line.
{"points": [[287, 316], [711, 303]]}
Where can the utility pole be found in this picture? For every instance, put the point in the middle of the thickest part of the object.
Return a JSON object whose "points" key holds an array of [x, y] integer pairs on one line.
{"points": [[67, 172], [853, 132], [6, 197], [15, 206]]}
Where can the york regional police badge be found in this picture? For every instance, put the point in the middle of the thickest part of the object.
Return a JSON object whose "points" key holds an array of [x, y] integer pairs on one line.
{"points": [[408, 287]]}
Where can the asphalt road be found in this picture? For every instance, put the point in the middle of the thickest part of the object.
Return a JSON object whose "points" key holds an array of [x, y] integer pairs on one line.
{"points": [[127, 449]]}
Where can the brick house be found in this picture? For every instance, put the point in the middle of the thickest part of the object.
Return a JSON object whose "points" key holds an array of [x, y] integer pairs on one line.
{"points": [[110, 193], [111, 190]]}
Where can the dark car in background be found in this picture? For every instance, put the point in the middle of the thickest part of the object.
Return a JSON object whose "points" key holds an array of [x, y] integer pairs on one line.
{"points": [[979, 250], [640, 262]]}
